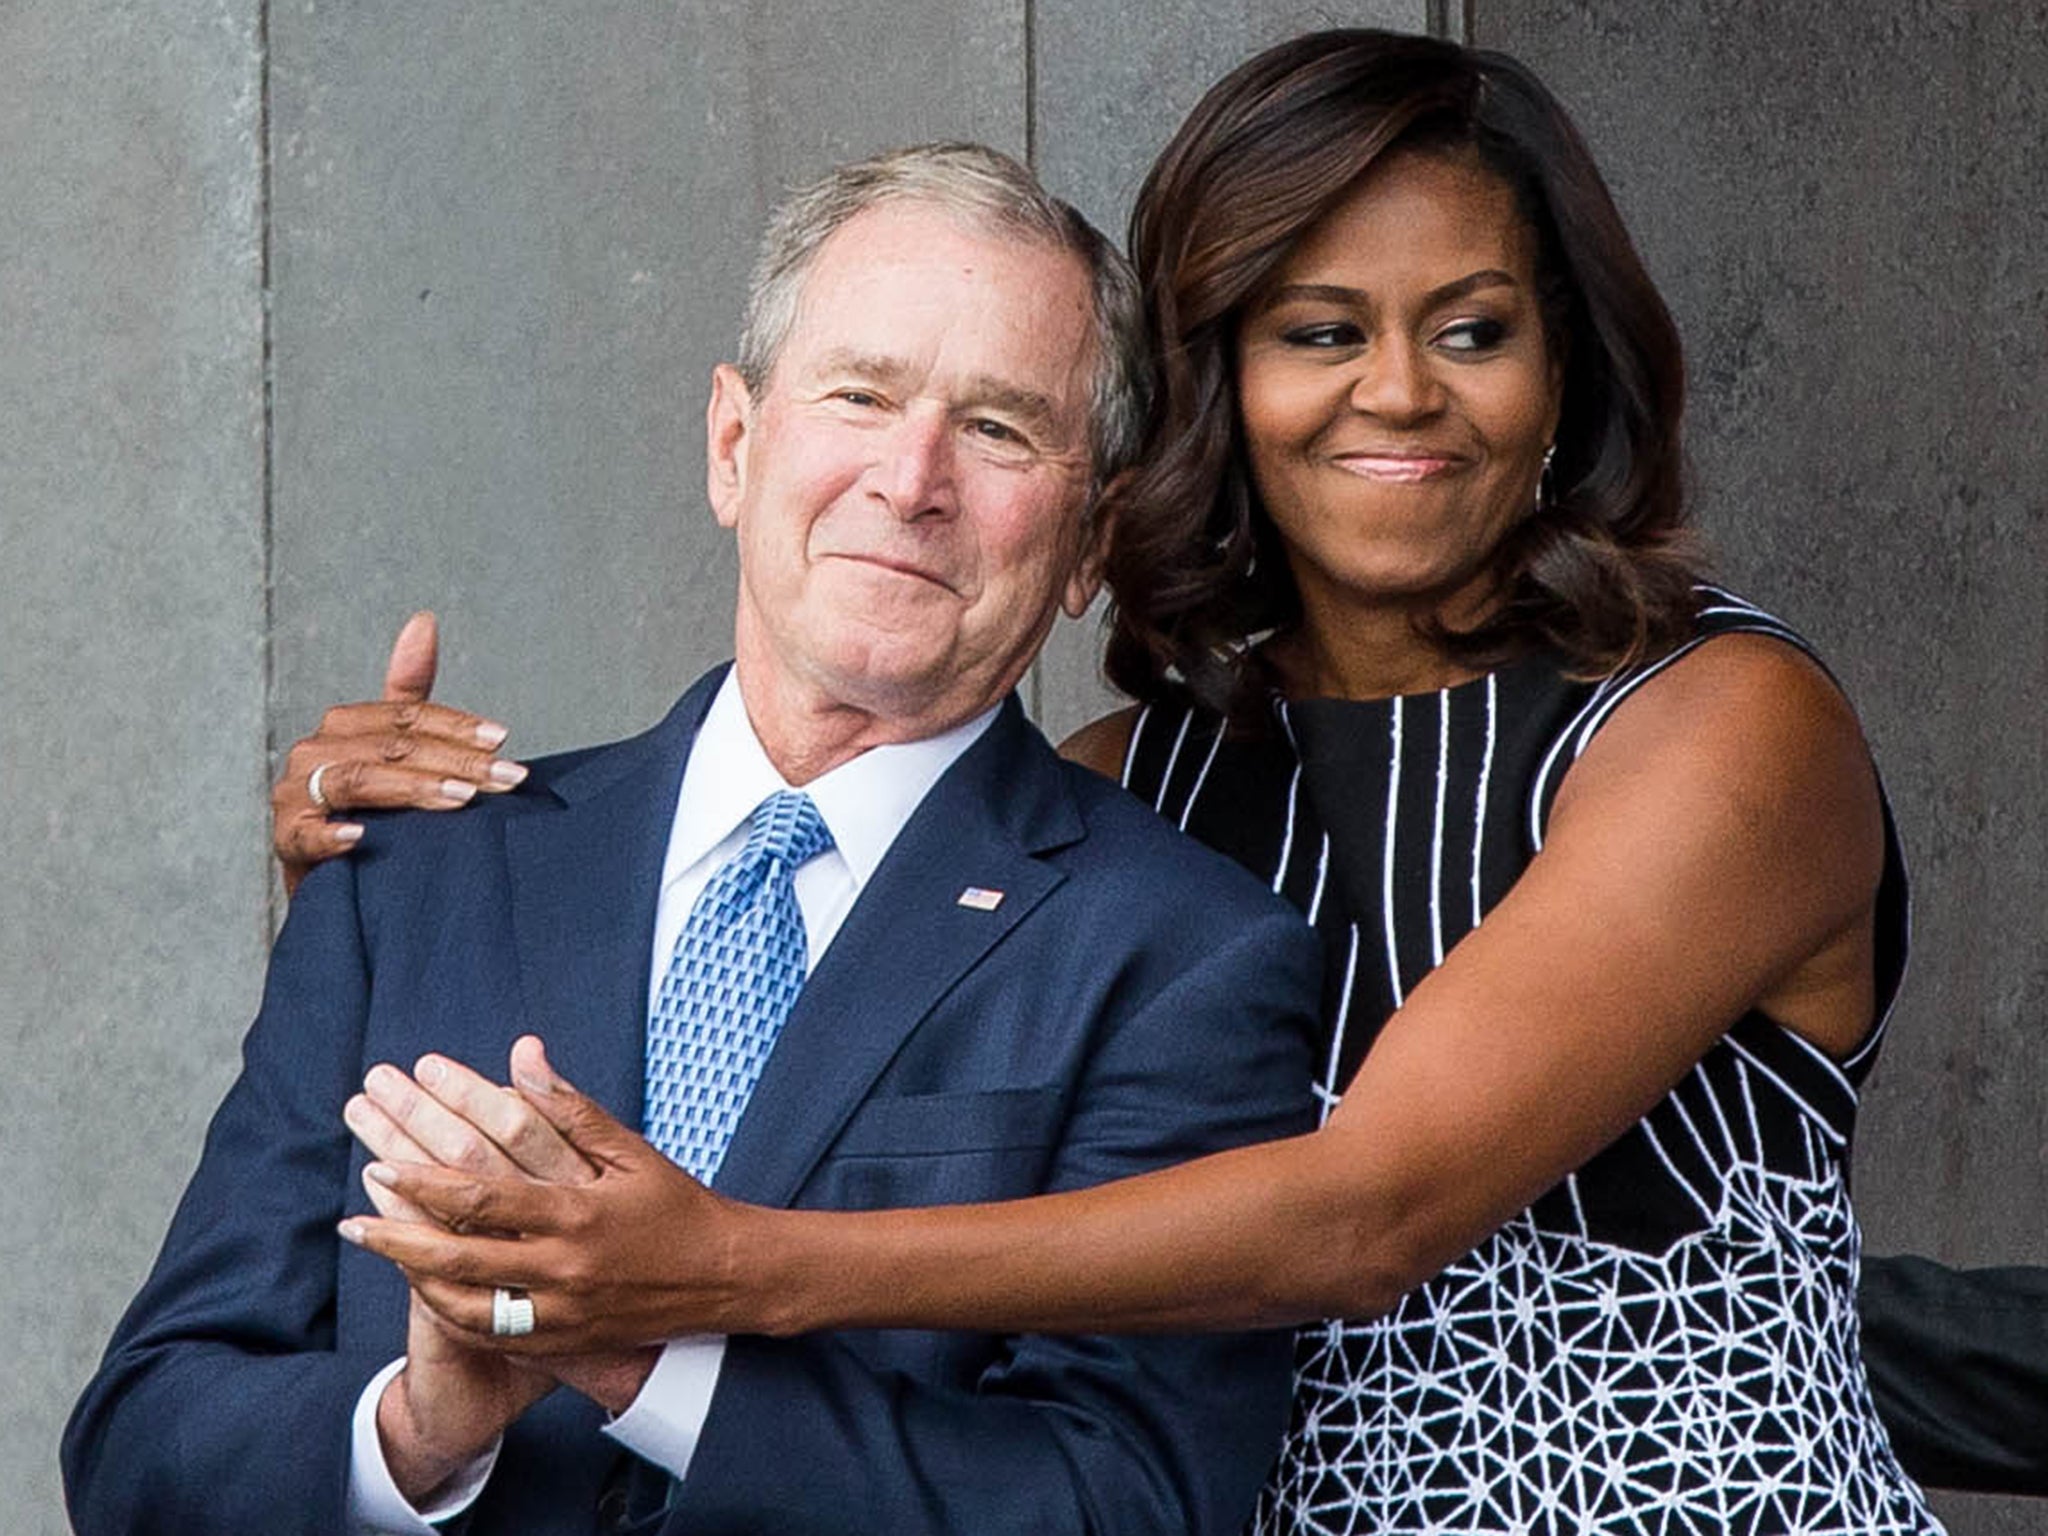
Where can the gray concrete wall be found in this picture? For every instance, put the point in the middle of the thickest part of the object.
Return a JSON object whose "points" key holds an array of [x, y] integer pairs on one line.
{"points": [[505, 245], [510, 243], [132, 655], [1848, 210]]}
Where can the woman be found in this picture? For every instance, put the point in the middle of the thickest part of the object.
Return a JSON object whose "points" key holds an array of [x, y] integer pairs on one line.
{"points": [[1402, 588]]}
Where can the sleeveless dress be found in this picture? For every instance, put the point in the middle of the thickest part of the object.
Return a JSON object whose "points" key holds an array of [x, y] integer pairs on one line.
{"points": [[1666, 1341]]}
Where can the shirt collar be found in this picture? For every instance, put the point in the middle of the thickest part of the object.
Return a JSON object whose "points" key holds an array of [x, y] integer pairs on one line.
{"points": [[865, 801]]}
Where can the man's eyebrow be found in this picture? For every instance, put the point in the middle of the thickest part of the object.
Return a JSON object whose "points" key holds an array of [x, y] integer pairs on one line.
{"points": [[982, 392], [1337, 293], [863, 365]]}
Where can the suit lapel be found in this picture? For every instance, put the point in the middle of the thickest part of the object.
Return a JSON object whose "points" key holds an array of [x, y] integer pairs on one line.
{"points": [[902, 948], [585, 879]]}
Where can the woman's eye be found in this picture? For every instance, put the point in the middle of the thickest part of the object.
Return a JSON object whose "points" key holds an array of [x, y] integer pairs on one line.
{"points": [[1333, 333], [1472, 335]]}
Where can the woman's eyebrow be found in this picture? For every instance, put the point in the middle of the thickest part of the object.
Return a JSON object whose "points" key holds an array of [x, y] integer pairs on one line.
{"points": [[1339, 293]]}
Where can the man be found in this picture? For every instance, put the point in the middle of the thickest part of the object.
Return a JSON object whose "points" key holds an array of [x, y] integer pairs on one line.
{"points": [[1007, 976]]}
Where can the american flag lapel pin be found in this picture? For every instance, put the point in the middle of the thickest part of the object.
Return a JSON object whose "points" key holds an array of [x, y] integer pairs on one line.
{"points": [[980, 899]]}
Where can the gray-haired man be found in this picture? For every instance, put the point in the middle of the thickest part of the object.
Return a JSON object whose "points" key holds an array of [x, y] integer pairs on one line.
{"points": [[1012, 978]]}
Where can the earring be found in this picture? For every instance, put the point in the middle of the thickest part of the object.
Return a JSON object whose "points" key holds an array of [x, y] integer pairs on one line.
{"points": [[1544, 489]]}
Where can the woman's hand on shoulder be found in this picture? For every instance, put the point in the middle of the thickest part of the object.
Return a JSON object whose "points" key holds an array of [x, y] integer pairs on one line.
{"points": [[399, 752], [1102, 744]]}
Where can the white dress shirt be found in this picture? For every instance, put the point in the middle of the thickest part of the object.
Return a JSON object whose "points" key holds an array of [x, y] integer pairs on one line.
{"points": [[865, 803]]}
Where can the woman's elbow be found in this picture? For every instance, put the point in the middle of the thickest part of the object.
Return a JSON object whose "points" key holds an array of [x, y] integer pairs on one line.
{"points": [[1375, 1259]]}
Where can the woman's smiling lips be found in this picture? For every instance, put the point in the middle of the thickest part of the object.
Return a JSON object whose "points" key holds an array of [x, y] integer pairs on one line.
{"points": [[1398, 468]]}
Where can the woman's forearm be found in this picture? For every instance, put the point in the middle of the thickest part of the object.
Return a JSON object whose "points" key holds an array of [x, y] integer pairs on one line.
{"points": [[1257, 1237]]}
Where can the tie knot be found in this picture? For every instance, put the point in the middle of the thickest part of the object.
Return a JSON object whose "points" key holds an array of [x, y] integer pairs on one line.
{"points": [[787, 827]]}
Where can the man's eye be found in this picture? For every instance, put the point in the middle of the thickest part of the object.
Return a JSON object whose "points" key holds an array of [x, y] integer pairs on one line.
{"points": [[1472, 336], [995, 431], [857, 396]]}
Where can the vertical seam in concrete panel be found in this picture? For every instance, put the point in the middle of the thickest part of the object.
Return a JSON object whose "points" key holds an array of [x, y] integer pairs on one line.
{"points": [[1451, 19], [265, 512], [1031, 84]]}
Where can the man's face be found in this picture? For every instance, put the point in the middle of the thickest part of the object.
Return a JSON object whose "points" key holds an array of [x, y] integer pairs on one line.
{"points": [[908, 488]]}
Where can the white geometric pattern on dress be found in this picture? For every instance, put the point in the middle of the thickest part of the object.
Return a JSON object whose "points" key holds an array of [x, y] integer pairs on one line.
{"points": [[1550, 1384], [735, 974]]}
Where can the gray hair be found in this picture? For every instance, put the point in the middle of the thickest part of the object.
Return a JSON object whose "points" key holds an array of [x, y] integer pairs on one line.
{"points": [[988, 190]]}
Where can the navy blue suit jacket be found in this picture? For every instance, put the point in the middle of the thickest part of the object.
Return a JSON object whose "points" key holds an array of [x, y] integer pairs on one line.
{"points": [[1134, 1000]]}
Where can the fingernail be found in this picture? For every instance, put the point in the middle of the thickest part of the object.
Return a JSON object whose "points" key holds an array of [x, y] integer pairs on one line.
{"points": [[458, 790], [508, 774], [534, 1082], [430, 1070], [351, 1232], [489, 733], [381, 1173], [348, 834]]}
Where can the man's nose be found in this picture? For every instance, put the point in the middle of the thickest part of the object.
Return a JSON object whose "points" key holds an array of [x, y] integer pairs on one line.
{"points": [[915, 474], [1396, 382]]}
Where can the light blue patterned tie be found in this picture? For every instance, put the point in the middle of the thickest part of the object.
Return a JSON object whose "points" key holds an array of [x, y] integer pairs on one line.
{"points": [[732, 980]]}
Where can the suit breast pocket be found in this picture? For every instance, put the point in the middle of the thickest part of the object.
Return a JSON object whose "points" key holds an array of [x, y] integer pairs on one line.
{"points": [[935, 1148]]}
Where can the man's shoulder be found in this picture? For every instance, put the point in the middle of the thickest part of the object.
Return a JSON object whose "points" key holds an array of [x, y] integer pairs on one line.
{"points": [[1130, 845]]}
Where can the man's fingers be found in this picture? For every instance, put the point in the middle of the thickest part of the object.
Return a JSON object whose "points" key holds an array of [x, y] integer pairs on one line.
{"points": [[513, 1207], [465, 1309], [533, 1145], [409, 676], [582, 1122], [382, 1136], [445, 1136], [391, 1204]]}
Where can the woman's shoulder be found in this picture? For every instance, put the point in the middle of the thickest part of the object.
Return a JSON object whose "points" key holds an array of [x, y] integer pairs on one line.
{"points": [[1745, 704], [1103, 744]]}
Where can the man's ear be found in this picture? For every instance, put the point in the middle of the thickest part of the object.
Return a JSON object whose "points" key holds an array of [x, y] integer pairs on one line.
{"points": [[1086, 579], [727, 420]]}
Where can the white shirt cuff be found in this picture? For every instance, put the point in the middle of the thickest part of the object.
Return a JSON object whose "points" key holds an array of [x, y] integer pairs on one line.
{"points": [[666, 1419], [375, 1506]]}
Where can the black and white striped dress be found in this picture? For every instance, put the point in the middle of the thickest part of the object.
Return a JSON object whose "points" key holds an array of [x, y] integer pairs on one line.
{"points": [[1666, 1341]]}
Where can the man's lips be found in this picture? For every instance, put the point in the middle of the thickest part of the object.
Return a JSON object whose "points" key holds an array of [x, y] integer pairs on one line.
{"points": [[896, 567], [1399, 468]]}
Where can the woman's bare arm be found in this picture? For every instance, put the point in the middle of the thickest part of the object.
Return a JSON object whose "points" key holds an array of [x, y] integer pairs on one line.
{"points": [[1717, 848]]}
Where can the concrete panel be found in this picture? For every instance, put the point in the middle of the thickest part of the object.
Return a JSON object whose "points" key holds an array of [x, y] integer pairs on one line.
{"points": [[1851, 221], [131, 696], [1110, 83], [510, 245]]}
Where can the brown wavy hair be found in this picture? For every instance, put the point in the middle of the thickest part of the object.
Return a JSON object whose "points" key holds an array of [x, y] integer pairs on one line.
{"points": [[1602, 577]]}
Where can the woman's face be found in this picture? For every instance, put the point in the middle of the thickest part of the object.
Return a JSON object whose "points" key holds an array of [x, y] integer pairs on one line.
{"points": [[1398, 393]]}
